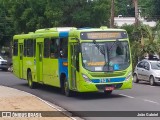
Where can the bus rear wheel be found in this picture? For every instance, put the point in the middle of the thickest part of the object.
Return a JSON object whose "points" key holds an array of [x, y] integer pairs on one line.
{"points": [[31, 84], [67, 91]]}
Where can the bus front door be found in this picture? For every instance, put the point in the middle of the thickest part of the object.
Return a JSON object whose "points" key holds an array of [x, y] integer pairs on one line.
{"points": [[39, 62], [21, 60], [73, 66]]}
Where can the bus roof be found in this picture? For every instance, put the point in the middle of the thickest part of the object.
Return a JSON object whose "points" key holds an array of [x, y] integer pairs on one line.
{"points": [[56, 29], [77, 31], [100, 29], [36, 35]]}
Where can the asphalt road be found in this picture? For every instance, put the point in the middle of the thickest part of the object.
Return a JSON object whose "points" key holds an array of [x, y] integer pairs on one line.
{"points": [[142, 97]]}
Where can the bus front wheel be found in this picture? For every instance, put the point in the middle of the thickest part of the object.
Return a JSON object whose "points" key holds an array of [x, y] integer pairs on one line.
{"points": [[67, 91], [31, 84]]}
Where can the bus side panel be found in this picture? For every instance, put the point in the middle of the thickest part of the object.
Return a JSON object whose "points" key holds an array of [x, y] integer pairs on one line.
{"points": [[50, 72], [28, 63], [62, 68], [47, 76]]}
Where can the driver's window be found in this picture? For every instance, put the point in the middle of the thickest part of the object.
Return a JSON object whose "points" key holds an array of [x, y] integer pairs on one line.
{"points": [[140, 65], [146, 65]]}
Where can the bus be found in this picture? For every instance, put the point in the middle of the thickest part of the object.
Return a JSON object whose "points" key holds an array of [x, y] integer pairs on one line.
{"points": [[74, 59]]}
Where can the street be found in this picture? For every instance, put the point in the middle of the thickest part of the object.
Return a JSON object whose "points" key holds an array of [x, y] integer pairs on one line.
{"points": [[142, 97]]}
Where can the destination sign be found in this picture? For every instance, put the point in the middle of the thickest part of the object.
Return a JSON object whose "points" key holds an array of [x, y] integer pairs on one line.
{"points": [[101, 35]]}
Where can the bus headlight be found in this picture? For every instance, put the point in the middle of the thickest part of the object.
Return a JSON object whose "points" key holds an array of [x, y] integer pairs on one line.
{"points": [[86, 78], [129, 76]]}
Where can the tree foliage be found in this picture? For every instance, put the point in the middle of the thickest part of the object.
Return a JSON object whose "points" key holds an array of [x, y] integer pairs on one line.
{"points": [[23, 16]]}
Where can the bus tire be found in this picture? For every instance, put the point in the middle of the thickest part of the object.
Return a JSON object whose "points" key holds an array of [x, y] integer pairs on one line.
{"points": [[31, 84], [108, 92], [67, 91]]}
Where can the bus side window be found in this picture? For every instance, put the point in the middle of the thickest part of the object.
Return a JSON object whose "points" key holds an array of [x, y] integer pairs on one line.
{"points": [[63, 47], [34, 48], [29, 47], [54, 43], [15, 48], [25, 48], [46, 48]]}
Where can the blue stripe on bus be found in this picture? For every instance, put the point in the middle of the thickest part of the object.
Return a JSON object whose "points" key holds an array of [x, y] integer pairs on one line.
{"points": [[108, 80], [63, 34], [63, 69]]}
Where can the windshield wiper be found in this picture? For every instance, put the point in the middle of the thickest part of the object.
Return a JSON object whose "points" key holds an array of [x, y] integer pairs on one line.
{"points": [[116, 42], [99, 47], [108, 53], [103, 52]]}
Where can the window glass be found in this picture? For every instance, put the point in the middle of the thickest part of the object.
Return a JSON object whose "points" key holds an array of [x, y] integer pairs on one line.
{"points": [[46, 48], [140, 65], [15, 47], [146, 65], [54, 48], [30, 48], [34, 47], [25, 47], [155, 65], [63, 47], [105, 56]]}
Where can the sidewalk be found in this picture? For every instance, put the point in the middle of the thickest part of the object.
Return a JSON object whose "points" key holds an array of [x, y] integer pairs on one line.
{"points": [[16, 100]]}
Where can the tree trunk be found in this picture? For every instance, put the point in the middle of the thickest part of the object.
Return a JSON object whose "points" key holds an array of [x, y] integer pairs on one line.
{"points": [[112, 15], [136, 13]]}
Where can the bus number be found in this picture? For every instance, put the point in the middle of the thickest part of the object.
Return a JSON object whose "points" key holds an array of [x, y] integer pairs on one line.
{"points": [[103, 80]]}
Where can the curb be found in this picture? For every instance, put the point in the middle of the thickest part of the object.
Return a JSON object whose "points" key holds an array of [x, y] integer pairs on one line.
{"points": [[58, 108]]}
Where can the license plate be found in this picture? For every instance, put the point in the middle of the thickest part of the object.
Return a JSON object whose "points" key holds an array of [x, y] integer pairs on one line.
{"points": [[109, 88]]}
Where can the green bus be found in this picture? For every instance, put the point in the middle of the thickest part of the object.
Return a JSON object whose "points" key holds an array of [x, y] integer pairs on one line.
{"points": [[74, 59]]}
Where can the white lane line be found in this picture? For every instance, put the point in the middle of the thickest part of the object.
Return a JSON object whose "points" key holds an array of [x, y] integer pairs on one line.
{"points": [[152, 86], [151, 101], [126, 96]]}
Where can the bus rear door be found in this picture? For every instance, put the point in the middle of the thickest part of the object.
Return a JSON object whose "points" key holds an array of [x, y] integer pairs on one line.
{"points": [[39, 61]]}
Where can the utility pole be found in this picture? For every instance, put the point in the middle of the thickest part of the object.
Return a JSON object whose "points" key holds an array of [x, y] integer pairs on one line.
{"points": [[136, 13], [112, 15]]}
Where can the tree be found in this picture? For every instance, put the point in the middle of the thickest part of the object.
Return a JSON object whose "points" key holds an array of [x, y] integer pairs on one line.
{"points": [[112, 15], [136, 13], [124, 8]]}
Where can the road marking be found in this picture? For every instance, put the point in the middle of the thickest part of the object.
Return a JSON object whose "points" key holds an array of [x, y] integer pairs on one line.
{"points": [[152, 86], [151, 101], [126, 96]]}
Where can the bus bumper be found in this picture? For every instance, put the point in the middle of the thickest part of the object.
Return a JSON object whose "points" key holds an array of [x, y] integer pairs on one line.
{"points": [[92, 87]]}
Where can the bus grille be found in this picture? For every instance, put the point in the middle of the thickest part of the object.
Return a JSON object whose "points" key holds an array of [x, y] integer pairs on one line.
{"points": [[102, 87]]}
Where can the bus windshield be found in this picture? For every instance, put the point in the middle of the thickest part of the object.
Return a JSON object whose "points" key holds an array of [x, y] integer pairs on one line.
{"points": [[106, 55]]}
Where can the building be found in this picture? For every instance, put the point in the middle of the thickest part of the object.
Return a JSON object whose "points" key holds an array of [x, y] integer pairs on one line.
{"points": [[120, 21]]}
